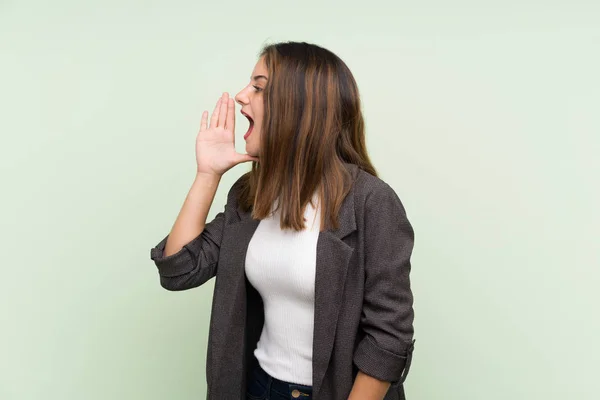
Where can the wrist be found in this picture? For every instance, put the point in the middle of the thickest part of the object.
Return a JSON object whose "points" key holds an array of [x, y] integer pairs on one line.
{"points": [[208, 175], [207, 179]]}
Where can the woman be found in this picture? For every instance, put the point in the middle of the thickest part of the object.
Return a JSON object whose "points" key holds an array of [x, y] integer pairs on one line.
{"points": [[311, 254]]}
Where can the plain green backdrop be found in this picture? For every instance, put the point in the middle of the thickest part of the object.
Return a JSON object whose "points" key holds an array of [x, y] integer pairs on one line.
{"points": [[483, 116]]}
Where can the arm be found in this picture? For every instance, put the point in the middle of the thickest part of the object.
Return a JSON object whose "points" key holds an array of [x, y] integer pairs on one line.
{"points": [[385, 349], [188, 256], [368, 388], [192, 217]]}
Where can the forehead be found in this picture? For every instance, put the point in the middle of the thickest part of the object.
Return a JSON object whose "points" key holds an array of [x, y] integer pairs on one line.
{"points": [[260, 68]]}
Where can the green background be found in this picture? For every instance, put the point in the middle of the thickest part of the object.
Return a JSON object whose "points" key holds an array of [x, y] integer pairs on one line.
{"points": [[483, 116]]}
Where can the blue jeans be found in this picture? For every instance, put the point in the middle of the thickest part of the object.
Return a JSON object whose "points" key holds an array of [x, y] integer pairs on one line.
{"points": [[262, 386]]}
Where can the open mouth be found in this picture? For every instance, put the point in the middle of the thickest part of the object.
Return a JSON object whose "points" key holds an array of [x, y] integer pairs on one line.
{"points": [[251, 125]]}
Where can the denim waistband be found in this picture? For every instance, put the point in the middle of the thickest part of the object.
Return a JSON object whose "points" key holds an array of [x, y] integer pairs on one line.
{"points": [[293, 389]]}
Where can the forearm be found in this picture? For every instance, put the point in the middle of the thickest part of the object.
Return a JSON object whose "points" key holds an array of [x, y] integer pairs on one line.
{"points": [[192, 218], [368, 388]]}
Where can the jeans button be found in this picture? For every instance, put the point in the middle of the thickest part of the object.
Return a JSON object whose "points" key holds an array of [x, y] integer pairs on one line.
{"points": [[295, 393]]}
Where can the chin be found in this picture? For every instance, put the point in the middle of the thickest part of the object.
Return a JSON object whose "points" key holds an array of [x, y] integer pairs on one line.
{"points": [[251, 150]]}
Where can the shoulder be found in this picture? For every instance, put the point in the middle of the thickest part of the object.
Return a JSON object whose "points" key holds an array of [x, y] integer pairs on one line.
{"points": [[235, 193], [367, 186], [380, 212], [235, 189]]}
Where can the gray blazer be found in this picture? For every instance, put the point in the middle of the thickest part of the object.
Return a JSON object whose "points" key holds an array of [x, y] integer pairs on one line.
{"points": [[363, 300]]}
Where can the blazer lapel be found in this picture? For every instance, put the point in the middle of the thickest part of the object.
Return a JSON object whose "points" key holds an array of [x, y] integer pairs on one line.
{"points": [[333, 256], [229, 313]]}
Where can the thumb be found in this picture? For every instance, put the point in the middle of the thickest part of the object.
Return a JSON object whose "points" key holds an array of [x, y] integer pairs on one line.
{"points": [[245, 158]]}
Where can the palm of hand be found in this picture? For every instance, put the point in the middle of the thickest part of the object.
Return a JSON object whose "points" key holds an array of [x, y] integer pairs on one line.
{"points": [[215, 144]]}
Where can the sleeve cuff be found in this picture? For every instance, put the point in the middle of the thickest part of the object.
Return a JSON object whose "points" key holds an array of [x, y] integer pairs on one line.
{"points": [[382, 364], [176, 264]]}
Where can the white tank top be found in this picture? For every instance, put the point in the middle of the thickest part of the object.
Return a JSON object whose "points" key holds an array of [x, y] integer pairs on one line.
{"points": [[281, 266]]}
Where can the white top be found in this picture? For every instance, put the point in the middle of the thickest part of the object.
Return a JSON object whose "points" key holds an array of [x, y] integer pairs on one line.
{"points": [[281, 266]]}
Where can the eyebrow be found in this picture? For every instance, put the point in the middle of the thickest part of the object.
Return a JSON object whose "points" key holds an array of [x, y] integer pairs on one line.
{"points": [[257, 77]]}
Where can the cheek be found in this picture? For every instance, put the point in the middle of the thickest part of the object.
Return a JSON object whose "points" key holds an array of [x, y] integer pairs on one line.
{"points": [[258, 109]]}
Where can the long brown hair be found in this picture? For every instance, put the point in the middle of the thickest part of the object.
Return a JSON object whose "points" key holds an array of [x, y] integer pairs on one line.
{"points": [[312, 125]]}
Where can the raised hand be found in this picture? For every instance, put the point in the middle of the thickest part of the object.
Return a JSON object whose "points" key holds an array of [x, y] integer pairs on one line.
{"points": [[215, 143]]}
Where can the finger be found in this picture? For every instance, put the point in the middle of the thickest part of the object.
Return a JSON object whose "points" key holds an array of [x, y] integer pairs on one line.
{"points": [[223, 111], [204, 121], [215, 115], [230, 122]]}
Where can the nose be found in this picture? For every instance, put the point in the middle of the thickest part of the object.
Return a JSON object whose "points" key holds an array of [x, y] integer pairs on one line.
{"points": [[241, 98]]}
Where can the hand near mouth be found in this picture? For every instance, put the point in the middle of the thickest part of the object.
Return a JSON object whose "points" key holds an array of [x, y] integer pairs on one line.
{"points": [[215, 143]]}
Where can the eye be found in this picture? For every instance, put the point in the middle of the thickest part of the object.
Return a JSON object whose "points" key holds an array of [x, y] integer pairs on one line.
{"points": [[257, 88]]}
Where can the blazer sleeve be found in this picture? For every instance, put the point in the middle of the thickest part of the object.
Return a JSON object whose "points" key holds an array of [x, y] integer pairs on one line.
{"points": [[385, 350], [197, 261]]}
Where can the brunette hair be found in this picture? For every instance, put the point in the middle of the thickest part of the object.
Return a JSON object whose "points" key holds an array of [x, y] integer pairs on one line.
{"points": [[312, 126]]}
